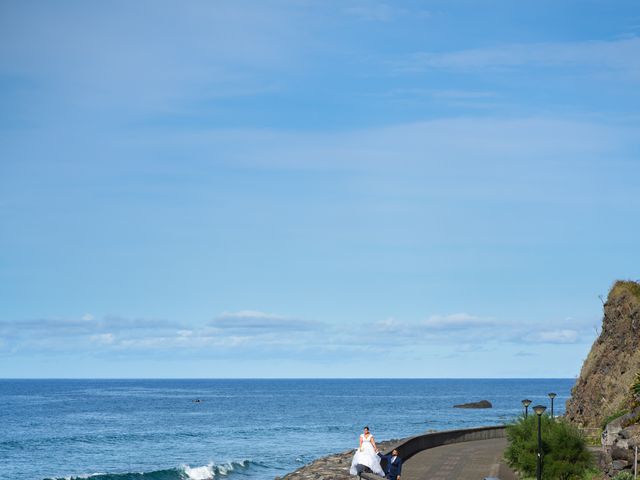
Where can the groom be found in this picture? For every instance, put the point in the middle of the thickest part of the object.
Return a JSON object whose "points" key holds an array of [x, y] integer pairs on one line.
{"points": [[393, 466]]}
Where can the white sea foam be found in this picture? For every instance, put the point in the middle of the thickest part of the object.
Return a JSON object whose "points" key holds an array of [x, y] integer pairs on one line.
{"points": [[210, 471], [84, 475], [226, 468], [200, 473]]}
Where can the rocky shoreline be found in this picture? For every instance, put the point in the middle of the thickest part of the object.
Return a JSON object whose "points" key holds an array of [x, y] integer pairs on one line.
{"points": [[331, 467]]}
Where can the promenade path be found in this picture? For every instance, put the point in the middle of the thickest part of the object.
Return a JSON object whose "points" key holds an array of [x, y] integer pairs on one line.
{"points": [[467, 460], [473, 460]]}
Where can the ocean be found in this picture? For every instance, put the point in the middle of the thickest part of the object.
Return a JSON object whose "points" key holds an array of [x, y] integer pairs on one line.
{"points": [[230, 429]]}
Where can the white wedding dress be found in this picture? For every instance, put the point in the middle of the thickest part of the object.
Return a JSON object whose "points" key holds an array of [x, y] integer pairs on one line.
{"points": [[366, 456]]}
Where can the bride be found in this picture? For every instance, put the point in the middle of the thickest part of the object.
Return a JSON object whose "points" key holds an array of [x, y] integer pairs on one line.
{"points": [[366, 455]]}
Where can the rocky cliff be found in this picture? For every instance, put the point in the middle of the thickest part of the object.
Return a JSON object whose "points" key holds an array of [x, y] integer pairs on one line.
{"points": [[609, 370]]}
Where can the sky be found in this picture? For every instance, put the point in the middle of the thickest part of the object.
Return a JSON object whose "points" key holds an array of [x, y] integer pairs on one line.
{"points": [[351, 188]]}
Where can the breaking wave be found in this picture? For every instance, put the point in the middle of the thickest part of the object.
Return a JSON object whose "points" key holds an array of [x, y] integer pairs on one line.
{"points": [[184, 472]]}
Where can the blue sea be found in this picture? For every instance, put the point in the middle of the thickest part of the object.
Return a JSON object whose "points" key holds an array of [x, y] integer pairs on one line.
{"points": [[229, 429]]}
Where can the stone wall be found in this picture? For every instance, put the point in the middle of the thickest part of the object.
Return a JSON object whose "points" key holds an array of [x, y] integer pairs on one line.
{"points": [[620, 439]]}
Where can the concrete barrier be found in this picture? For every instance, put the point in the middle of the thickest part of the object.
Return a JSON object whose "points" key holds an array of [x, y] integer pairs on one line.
{"points": [[412, 445]]}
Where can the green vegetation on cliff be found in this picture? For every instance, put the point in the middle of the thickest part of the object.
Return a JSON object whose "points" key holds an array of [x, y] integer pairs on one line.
{"points": [[622, 286], [635, 390]]}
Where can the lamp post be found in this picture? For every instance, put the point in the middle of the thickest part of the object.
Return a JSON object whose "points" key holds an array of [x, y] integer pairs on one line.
{"points": [[526, 402], [552, 396], [539, 409]]}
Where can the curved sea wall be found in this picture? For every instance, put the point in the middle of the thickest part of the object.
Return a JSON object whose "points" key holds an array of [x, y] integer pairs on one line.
{"points": [[337, 466], [412, 445]]}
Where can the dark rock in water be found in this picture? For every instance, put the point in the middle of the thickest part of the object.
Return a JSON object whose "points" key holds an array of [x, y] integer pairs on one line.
{"points": [[480, 404]]}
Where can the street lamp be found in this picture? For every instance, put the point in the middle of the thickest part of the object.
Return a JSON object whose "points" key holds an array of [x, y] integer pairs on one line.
{"points": [[526, 402], [539, 409], [552, 396]]}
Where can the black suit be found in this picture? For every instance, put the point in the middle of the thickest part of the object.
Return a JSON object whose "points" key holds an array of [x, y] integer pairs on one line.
{"points": [[393, 469]]}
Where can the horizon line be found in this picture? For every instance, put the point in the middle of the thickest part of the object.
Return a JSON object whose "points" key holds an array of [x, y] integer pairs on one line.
{"points": [[287, 378]]}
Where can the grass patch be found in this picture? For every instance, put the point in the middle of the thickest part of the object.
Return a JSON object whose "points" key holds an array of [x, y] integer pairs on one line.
{"points": [[592, 474], [624, 476], [593, 440], [631, 421], [612, 417], [635, 388], [625, 285]]}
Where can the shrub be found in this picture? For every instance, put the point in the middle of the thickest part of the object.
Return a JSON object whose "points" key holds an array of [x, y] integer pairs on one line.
{"points": [[635, 389], [624, 476], [625, 285], [564, 452], [592, 474]]}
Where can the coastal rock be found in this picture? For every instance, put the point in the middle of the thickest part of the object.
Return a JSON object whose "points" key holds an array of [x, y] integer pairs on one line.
{"points": [[622, 429], [620, 465], [619, 438], [603, 390], [480, 404], [608, 371], [630, 432], [619, 453], [331, 467]]}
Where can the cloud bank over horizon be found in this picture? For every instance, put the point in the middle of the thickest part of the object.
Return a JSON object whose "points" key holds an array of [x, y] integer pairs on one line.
{"points": [[233, 335]]}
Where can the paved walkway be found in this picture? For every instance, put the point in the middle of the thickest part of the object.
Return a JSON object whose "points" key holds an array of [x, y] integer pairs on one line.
{"points": [[459, 461]]}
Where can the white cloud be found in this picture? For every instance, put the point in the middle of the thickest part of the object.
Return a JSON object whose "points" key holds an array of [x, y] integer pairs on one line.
{"points": [[462, 94], [370, 10], [456, 320], [147, 55], [245, 328], [461, 331], [555, 336], [476, 99], [268, 334], [470, 348], [522, 353], [464, 332], [389, 324], [619, 55], [252, 314], [503, 144], [256, 321], [103, 338], [78, 333], [87, 324]]}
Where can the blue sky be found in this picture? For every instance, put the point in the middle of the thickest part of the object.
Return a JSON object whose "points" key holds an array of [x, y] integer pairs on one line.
{"points": [[314, 189]]}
